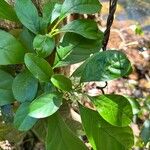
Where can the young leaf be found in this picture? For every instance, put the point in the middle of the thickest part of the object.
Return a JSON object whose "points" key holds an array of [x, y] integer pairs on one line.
{"points": [[86, 28], [45, 105], [80, 6], [104, 136], [62, 137], [24, 87], [28, 15], [9, 47], [39, 67], [145, 133], [115, 109], [104, 66], [7, 12], [76, 49], [61, 82], [6, 95], [44, 45], [22, 120]]}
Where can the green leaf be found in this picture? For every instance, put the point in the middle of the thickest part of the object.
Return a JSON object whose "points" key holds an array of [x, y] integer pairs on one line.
{"points": [[39, 67], [9, 47], [7, 12], [104, 136], [115, 109], [76, 49], [61, 82], [44, 45], [85, 27], [80, 6], [6, 95], [62, 137], [25, 87], [145, 133], [104, 66], [28, 15], [45, 105], [22, 120]]}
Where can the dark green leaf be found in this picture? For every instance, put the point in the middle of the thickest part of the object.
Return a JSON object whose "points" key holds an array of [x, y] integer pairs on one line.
{"points": [[76, 49], [6, 95], [145, 133], [80, 6], [44, 45], [45, 105], [115, 109], [62, 137], [61, 82], [11, 51], [104, 66], [104, 136], [84, 27], [7, 12], [39, 67], [28, 15], [24, 87], [22, 120]]}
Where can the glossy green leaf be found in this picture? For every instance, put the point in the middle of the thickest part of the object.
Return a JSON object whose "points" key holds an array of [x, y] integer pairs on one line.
{"points": [[76, 48], [61, 82], [22, 120], [115, 109], [44, 45], [39, 67], [25, 87], [9, 47], [145, 133], [85, 27], [80, 6], [62, 137], [104, 136], [104, 66], [7, 12], [28, 15], [6, 95], [45, 105]]}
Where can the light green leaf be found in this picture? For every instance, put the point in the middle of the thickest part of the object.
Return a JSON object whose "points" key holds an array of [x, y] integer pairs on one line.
{"points": [[39, 67], [44, 45], [28, 15], [115, 109], [22, 120], [6, 95], [145, 133], [11, 51], [104, 66], [61, 82], [85, 27], [80, 6], [45, 105], [76, 49], [62, 137], [25, 87], [104, 136], [7, 12]]}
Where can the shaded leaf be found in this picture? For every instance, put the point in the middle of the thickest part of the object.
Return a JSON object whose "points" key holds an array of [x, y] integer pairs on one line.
{"points": [[62, 137], [104, 136], [25, 87], [22, 120]]}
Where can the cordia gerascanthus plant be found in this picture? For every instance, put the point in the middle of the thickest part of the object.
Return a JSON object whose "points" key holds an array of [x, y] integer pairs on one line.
{"points": [[35, 91]]}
